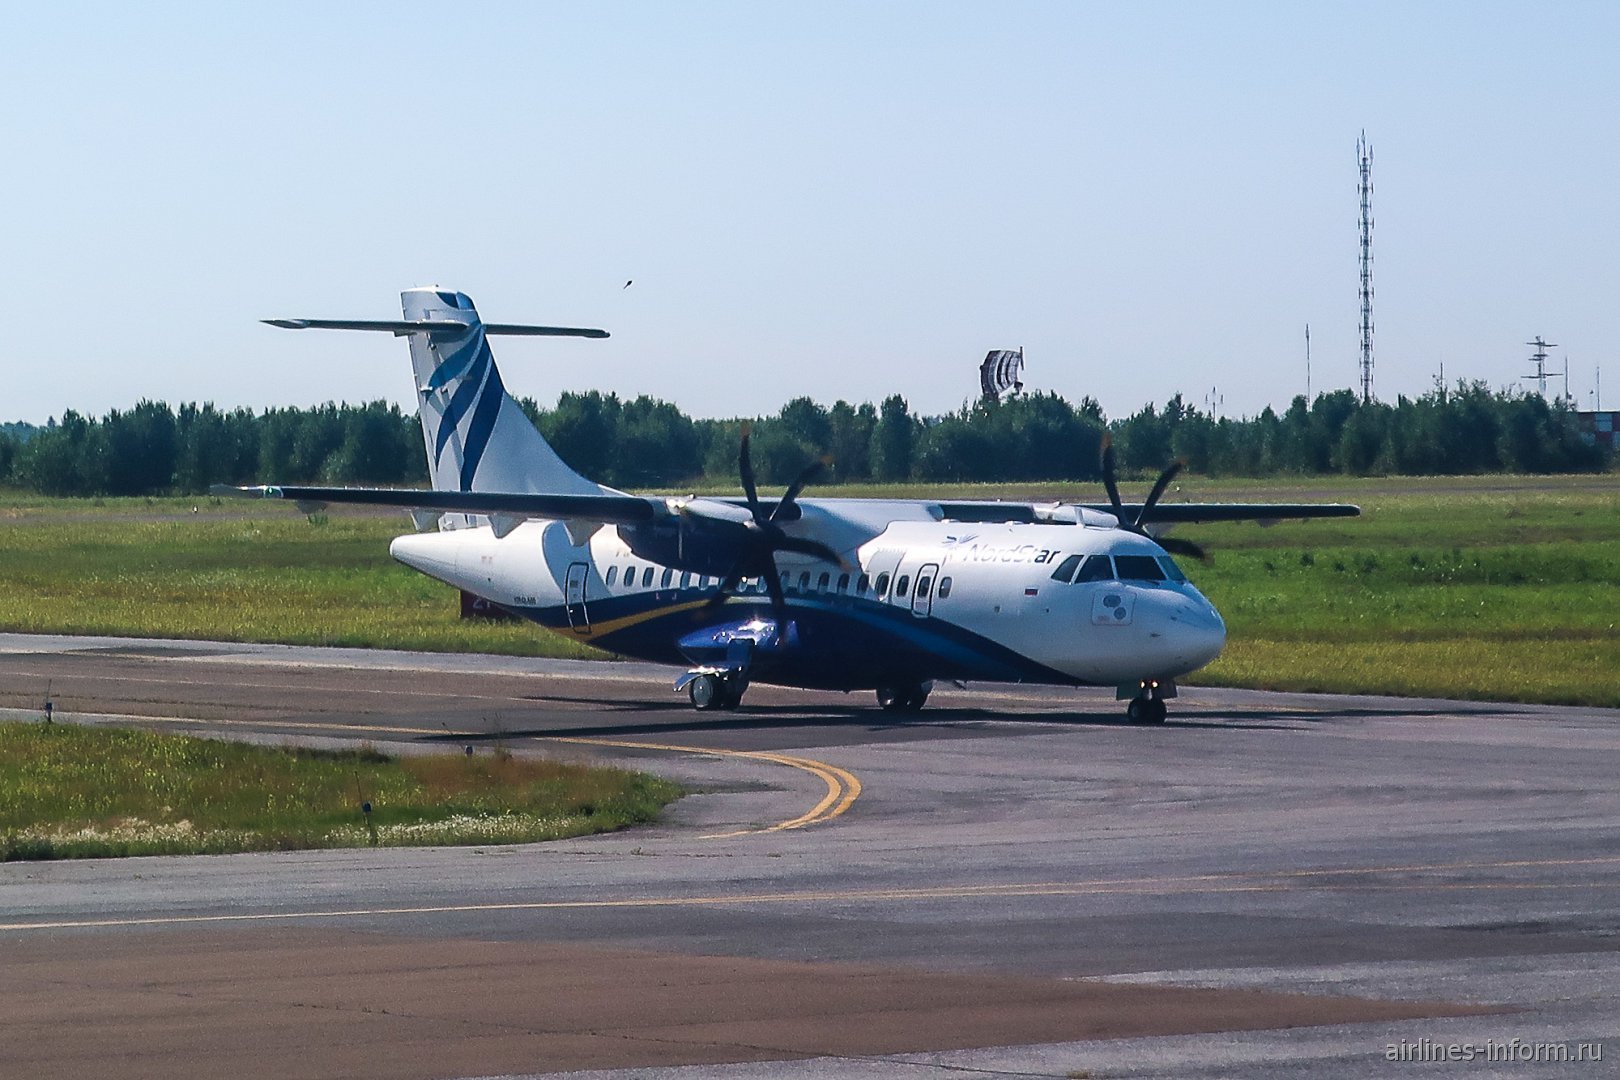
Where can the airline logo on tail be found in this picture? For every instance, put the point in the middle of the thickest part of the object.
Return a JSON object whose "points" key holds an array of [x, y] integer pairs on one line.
{"points": [[468, 375]]}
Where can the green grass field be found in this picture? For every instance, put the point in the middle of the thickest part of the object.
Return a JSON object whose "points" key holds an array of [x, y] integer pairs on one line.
{"points": [[83, 792], [1499, 588]]}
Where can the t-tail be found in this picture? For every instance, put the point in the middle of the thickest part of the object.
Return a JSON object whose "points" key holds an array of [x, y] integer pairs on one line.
{"points": [[478, 438]]}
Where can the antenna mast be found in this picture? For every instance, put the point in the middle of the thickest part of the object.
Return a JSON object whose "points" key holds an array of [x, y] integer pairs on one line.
{"points": [[1364, 157], [1307, 365], [1539, 358]]}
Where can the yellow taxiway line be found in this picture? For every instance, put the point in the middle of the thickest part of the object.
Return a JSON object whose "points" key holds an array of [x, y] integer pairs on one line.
{"points": [[1263, 881], [843, 787]]}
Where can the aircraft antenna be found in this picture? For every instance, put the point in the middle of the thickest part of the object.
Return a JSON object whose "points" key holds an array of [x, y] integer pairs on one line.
{"points": [[1539, 358], [1364, 158]]}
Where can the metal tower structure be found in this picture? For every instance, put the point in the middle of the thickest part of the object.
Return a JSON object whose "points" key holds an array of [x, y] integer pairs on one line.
{"points": [[1539, 358], [1364, 157]]}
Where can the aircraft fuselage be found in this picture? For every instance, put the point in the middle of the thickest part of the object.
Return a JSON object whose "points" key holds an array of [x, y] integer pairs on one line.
{"points": [[918, 601]]}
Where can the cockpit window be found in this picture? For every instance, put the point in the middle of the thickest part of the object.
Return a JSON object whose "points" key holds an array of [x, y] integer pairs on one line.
{"points": [[1066, 569], [1139, 568], [1171, 570], [1097, 568]]}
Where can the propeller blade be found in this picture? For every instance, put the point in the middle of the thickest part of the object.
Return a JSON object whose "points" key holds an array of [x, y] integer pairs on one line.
{"points": [[1110, 476], [809, 473], [773, 585], [1159, 485], [1177, 546], [814, 548], [728, 584], [745, 465]]}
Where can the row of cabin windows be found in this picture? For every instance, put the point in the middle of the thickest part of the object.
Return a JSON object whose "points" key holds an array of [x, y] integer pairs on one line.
{"points": [[1079, 568], [824, 583]]}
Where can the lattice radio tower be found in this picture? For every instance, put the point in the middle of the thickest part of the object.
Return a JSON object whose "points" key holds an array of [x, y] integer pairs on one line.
{"points": [[1364, 157]]}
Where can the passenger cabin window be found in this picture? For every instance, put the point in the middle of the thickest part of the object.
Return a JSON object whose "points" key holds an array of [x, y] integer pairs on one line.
{"points": [[902, 585], [821, 582], [787, 581], [664, 582], [630, 576], [882, 586], [804, 582], [1171, 570], [944, 587], [646, 578], [863, 583], [613, 572], [1096, 568], [923, 585], [1066, 569], [1139, 568], [686, 578], [843, 583]]}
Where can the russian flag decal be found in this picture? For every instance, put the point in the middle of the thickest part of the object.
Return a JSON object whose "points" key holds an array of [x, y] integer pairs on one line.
{"points": [[1031, 592]]}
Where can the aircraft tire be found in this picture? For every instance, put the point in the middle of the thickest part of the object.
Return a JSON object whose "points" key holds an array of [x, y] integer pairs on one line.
{"points": [[1145, 710], [905, 698], [706, 692]]}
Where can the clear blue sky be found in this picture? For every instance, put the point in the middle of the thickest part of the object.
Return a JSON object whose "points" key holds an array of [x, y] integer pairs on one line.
{"points": [[839, 200]]}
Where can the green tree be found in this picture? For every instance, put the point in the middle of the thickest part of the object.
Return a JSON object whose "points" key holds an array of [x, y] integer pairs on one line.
{"points": [[893, 440]]}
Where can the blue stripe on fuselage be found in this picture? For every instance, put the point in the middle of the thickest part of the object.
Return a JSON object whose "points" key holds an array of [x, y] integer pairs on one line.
{"points": [[843, 643]]}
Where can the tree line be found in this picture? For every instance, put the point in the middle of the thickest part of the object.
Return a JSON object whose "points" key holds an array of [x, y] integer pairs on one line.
{"points": [[642, 442]]}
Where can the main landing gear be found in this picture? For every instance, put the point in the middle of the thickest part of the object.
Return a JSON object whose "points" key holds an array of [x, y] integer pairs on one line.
{"points": [[716, 691], [909, 697]]}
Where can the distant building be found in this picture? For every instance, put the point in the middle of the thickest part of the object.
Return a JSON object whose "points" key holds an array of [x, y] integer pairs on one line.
{"points": [[1599, 427]]}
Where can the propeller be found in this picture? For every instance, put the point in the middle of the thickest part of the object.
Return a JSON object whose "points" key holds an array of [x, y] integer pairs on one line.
{"points": [[1110, 479], [765, 536]]}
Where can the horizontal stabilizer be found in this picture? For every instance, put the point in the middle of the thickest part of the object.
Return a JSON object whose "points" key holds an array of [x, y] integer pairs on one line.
{"points": [[610, 509], [401, 327]]}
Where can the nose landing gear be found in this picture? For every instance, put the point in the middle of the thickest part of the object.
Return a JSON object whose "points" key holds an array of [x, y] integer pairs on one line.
{"points": [[1147, 700]]}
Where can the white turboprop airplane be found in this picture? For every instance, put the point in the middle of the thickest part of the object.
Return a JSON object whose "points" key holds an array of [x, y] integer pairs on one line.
{"points": [[838, 594]]}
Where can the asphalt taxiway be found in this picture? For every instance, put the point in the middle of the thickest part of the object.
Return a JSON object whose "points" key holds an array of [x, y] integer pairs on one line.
{"points": [[1014, 881]]}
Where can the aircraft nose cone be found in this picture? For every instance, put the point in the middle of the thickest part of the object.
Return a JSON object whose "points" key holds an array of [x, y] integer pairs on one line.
{"points": [[1189, 632]]}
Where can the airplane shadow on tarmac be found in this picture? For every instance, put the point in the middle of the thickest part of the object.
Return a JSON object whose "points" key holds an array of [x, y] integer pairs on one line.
{"points": [[935, 721]]}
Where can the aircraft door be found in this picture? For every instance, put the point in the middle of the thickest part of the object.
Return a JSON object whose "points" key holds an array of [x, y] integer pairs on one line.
{"points": [[922, 590], [574, 595]]}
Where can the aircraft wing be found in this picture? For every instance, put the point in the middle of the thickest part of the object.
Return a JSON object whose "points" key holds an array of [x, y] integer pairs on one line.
{"points": [[1167, 513], [1158, 514], [634, 509], [608, 509]]}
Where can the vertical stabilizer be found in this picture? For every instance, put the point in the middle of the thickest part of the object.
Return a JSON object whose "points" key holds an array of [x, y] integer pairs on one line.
{"points": [[478, 438]]}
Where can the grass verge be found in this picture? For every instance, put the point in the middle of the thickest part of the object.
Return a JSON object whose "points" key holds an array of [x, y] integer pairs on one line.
{"points": [[72, 792]]}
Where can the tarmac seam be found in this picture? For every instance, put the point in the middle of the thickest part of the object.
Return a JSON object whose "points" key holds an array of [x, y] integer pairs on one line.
{"points": [[1198, 883]]}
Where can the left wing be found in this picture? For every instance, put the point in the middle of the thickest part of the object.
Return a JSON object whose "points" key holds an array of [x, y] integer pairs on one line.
{"points": [[608, 509]]}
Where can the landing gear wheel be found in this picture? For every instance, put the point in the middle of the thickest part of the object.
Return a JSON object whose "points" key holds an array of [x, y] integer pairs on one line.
{"points": [[731, 693], [706, 693], [908, 698], [1146, 710]]}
